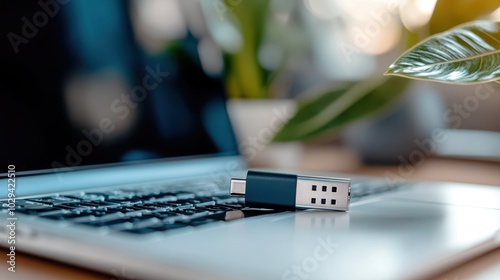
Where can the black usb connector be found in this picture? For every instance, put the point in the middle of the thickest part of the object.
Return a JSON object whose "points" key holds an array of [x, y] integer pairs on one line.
{"points": [[289, 191]]}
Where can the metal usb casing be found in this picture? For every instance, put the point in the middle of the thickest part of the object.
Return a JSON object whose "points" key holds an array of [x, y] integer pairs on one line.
{"points": [[289, 191], [326, 190]]}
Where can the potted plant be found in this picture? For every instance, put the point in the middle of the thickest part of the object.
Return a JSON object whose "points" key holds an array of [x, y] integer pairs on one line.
{"points": [[327, 113], [255, 50]]}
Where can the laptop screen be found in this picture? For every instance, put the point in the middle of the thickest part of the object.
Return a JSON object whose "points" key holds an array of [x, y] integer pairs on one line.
{"points": [[90, 82]]}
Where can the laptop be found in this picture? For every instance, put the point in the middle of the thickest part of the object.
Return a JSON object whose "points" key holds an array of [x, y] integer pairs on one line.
{"points": [[117, 157]]}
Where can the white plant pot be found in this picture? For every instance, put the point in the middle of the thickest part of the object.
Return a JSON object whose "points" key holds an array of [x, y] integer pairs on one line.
{"points": [[255, 122]]}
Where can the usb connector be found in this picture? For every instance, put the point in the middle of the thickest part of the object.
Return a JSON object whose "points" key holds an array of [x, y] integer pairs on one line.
{"points": [[289, 191]]}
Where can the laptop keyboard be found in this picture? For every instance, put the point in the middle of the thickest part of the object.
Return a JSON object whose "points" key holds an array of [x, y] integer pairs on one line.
{"points": [[153, 210]]}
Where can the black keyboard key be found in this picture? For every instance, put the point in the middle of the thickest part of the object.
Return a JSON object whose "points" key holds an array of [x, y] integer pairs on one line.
{"points": [[218, 208], [167, 193], [39, 209], [146, 195], [46, 202], [222, 216], [98, 213], [138, 207], [140, 230], [97, 194], [131, 208], [154, 207], [21, 203], [52, 200], [73, 197], [232, 205], [143, 216], [163, 198], [37, 206], [175, 204], [182, 202], [204, 201], [184, 195], [113, 222], [138, 219], [226, 199], [86, 215], [98, 203], [120, 221], [48, 211], [64, 216], [111, 210], [134, 200], [74, 205], [118, 198], [190, 211], [238, 214], [124, 198], [165, 214]]}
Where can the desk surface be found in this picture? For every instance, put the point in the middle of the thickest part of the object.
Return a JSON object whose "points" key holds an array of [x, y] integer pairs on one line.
{"points": [[317, 158]]}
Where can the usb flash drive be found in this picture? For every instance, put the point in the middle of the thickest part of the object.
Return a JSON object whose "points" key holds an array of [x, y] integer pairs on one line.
{"points": [[289, 191]]}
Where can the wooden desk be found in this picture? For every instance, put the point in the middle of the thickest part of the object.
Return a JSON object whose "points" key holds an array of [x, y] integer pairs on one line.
{"points": [[321, 159], [32, 267]]}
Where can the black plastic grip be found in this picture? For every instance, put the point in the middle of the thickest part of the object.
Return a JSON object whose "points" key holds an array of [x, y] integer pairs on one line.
{"points": [[270, 190]]}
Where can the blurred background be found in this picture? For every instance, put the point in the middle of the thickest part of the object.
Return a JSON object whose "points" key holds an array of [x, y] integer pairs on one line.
{"points": [[315, 59], [304, 78]]}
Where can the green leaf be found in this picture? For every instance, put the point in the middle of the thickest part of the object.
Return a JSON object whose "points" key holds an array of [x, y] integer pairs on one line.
{"points": [[330, 111], [244, 65], [469, 53], [238, 27], [449, 13]]}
